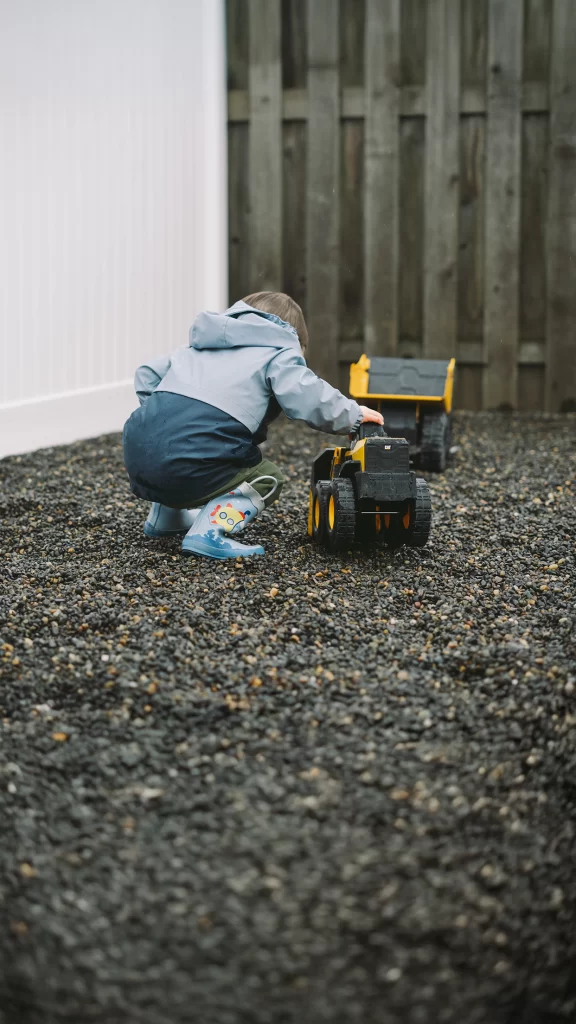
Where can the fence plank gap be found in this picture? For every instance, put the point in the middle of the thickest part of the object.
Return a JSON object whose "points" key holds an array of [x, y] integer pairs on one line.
{"points": [[323, 186], [561, 255], [381, 159], [265, 145], [442, 178], [503, 151]]}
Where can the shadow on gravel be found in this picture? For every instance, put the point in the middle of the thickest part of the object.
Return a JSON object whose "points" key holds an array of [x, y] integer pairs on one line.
{"points": [[299, 789]]}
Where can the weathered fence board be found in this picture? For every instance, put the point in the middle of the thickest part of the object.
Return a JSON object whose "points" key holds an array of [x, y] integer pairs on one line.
{"points": [[536, 50], [352, 31], [265, 144], [561, 234], [442, 178], [237, 44], [239, 278], [535, 128], [411, 248], [413, 42], [351, 232], [530, 388], [503, 144], [474, 43], [471, 229], [412, 102], [381, 161], [238, 199], [405, 169], [535, 142], [533, 228], [323, 192], [472, 212], [294, 45], [294, 212]]}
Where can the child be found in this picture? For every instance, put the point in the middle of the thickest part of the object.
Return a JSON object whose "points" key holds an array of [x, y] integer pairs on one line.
{"points": [[192, 446]]}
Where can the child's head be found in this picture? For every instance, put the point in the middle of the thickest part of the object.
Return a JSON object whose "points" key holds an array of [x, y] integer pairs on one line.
{"points": [[284, 307]]}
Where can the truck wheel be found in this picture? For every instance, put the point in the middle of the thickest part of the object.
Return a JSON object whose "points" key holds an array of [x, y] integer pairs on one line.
{"points": [[340, 514], [319, 511], [420, 516], [435, 442]]}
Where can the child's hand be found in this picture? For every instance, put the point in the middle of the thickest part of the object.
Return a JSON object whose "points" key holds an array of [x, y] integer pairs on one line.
{"points": [[371, 416]]}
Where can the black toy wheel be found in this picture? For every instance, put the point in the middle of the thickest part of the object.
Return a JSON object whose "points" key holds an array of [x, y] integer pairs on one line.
{"points": [[420, 522], [340, 514], [319, 510], [435, 442]]}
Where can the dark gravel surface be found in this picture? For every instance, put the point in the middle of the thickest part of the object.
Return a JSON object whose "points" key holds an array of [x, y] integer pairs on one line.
{"points": [[304, 788]]}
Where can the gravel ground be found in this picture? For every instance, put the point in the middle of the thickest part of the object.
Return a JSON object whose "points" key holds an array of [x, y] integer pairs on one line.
{"points": [[304, 788]]}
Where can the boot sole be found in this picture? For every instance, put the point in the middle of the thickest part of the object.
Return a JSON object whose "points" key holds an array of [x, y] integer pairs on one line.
{"points": [[196, 547]]}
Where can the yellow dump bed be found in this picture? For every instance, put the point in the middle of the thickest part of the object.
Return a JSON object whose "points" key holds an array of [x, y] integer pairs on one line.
{"points": [[397, 380]]}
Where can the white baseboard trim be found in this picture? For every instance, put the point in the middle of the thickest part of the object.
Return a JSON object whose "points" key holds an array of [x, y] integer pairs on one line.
{"points": [[60, 419]]}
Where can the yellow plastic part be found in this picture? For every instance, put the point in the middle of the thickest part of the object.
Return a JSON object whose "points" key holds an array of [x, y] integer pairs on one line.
{"points": [[449, 386], [358, 454], [310, 506], [338, 457], [359, 377], [359, 383], [331, 512]]}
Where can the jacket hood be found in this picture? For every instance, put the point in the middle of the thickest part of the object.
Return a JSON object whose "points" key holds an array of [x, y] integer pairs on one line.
{"points": [[242, 326]]}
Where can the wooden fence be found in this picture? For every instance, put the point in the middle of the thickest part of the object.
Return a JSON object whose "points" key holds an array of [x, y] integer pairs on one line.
{"points": [[406, 169]]}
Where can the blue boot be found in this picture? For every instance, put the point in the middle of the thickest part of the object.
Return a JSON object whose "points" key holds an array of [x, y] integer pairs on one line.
{"points": [[169, 522], [222, 517]]}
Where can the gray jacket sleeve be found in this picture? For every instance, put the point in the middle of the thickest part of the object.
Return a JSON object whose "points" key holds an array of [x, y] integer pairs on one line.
{"points": [[304, 396], [149, 375]]}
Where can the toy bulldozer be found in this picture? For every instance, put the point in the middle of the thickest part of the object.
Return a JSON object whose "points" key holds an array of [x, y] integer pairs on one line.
{"points": [[367, 492], [415, 398]]}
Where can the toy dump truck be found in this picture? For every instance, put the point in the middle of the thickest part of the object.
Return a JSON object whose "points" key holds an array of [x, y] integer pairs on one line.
{"points": [[366, 492], [415, 398]]}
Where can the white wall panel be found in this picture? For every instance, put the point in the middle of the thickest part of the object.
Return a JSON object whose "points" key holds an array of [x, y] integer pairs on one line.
{"points": [[112, 199]]}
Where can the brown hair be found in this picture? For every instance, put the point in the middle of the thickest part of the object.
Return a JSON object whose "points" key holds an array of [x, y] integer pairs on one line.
{"points": [[284, 307]]}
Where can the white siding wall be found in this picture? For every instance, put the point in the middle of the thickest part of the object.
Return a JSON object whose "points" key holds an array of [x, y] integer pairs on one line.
{"points": [[112, 202]]}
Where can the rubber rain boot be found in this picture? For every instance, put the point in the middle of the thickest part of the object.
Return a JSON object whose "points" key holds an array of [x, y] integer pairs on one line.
{"points": [[221, 519], [169, 522]]}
